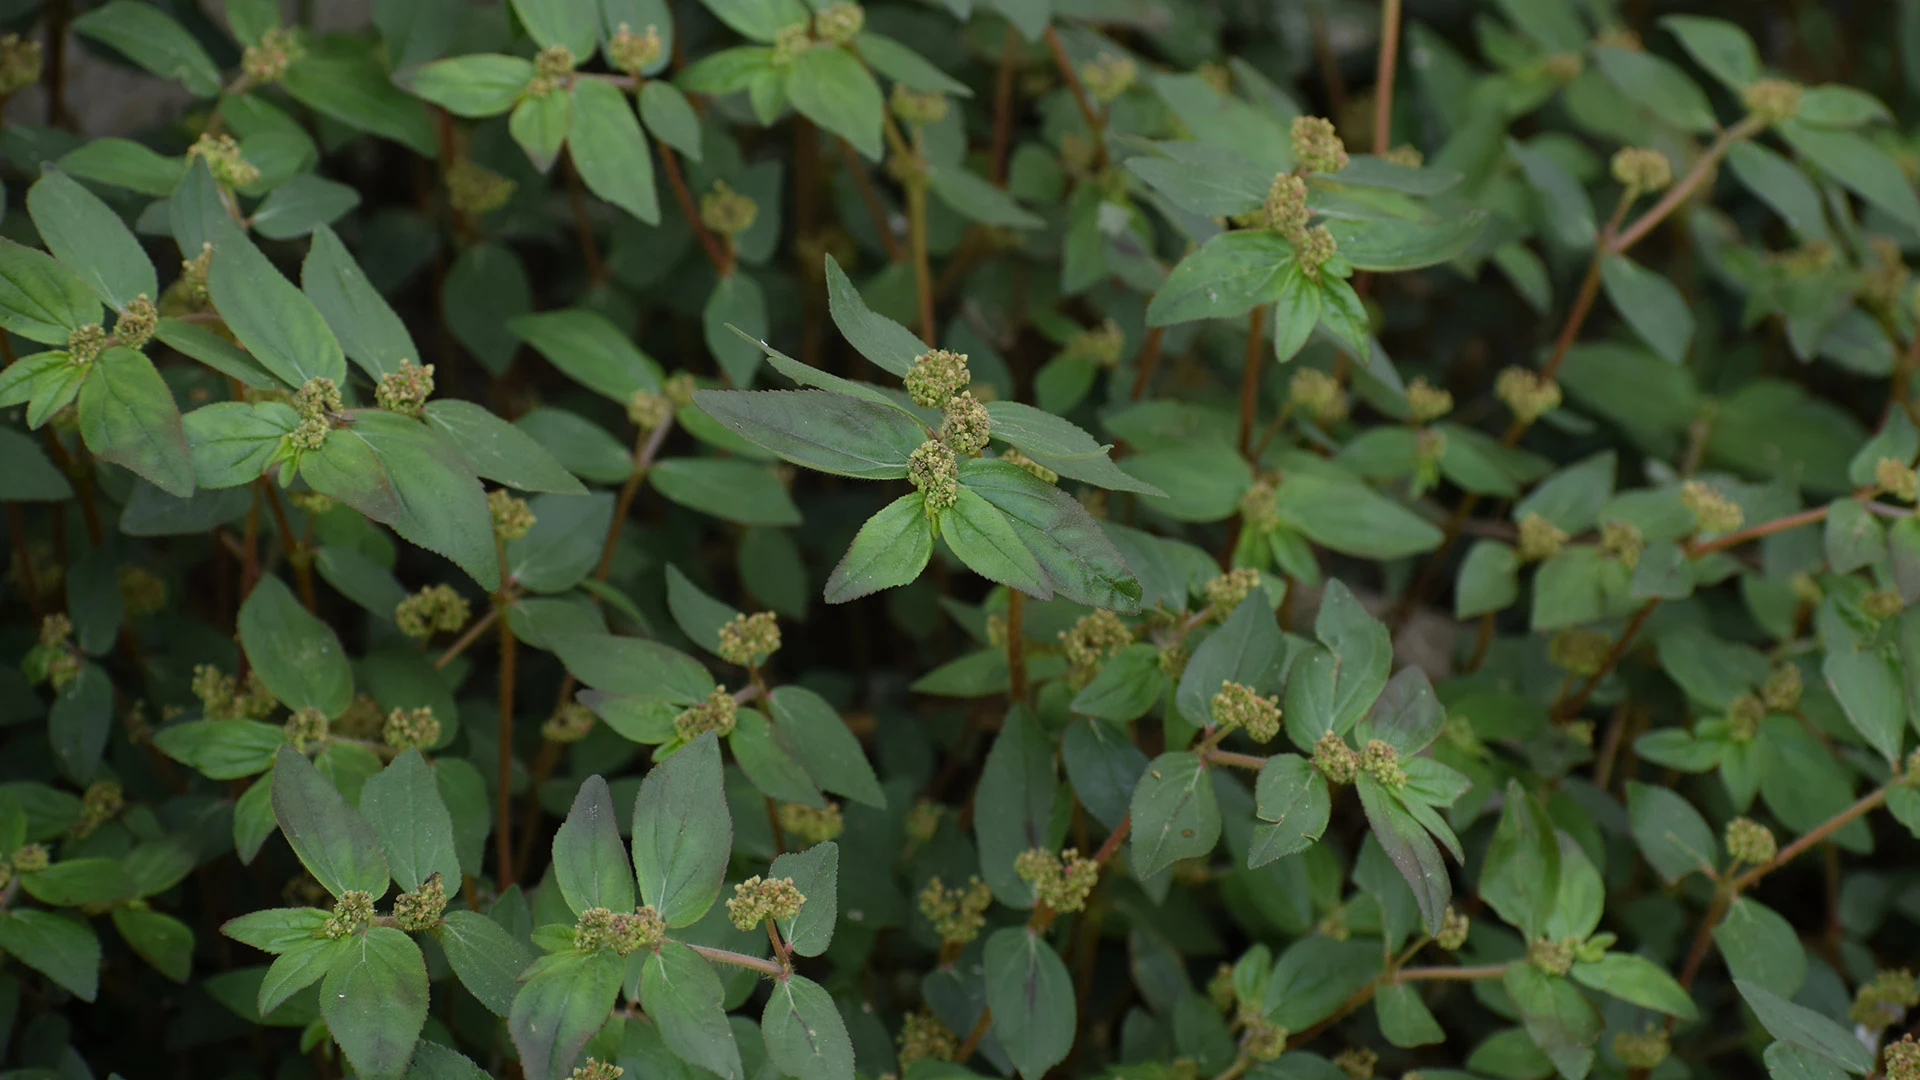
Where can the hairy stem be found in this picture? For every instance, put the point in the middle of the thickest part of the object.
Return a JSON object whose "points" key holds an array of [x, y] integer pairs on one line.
{"points": [[1010, 50], [717, 253], [467, 637], [1016, 646], [1250, 378], [1095, 125], [1383, 76], [728, 956], [503, 804]]}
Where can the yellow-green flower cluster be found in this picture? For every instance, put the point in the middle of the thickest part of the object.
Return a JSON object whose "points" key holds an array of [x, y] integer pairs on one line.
{"points": [[1713, 511], [631, 52], [1107, 76], [1237, 705], [1781, 691], [552, 69], [352, 911], [1453, 930], [1883, 1000], [1091, 639], [595, 1069], [1428, 402], [1579, 650], [745, 637], [268, 59], [136, 323], [1540, 538], [1642, 1049], [1286, 205], [306, 729], [222, 699], [569, 724], [1526, 393], [716, 714], [1772, 100], [1743, 717], [100, 803], [1061, 880], [1750, 842], [1358, 1063], [1555, 957], [839, 22], [967, 425], [222, 155], [956, 914], [757, 899], [934, 472], [317, 401], [1379, 760], [1898, 479], [1641, 169], [406, 390], [20, 63], [512, 519], [472, 188], [1100, 345], [648, 410], [726, 211], [1263, 1039], [434, 608], [924, 1038], [1319, 395], [1229, 590], [86, 343], [1316, 145], [1622, 540], [937, 375], [421, 908], [411, 728], [1903, 1059], [1335, 760], [624, 932], [814, 824]]}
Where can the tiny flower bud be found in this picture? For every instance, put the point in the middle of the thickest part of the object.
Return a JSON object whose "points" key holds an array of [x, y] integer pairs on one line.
{"points": [[569, 724], [1090, 641], [1552, 957], [1357, 1063], [86, 343], [633, 53], [411, 728], [1453, 930], [1748, 841], [268, 60], [1319, 395], [317, 399], [839, 22], [1220, 992], [1228, 591], [100, 803], [917, 106], [31, 858], [1286, 206], [405, 391], [814, 824], [1335, 760], [1579, 651], [222, 155], [56, 631], [1772, 100], [1713, 511], [789, 42], [1237, 706], [1380, 761], [1312, 248], [306, 729], [552, 69], [957, 914], [1781, 693], [1622, 540], [1265, 1040], [748, 639], [717, 714], [1903, 1059], [1427, 402], [758, 899], [351, 912], [967, 425], [1317, 146], [511, 517], [1883, 1000], [595, 1069], [1642, 1050], [1526, 393], [679, 388], [137, 322], [1642, 169], [1107, 76], [1897, 479], [1406, 154], [1882, 603], [1100, 345], [936, 376], [923, 1038], [726, 211], [20, 63], [474, 189], [923, 820], [1743, 717], [1260, 507], [1060, 881], [1540, 538], [420, 909], [935, 473], [434, 608]]}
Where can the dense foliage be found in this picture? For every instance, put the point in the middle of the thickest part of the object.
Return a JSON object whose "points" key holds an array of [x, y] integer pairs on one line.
{"points": [[962, 538]]}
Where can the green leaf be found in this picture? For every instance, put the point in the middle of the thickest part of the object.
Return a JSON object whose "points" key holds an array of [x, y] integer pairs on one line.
{"points": [[1204, 180], [485, 291], [90, 239], [61, 948], [1834, 105], [1719, 46], [832, 433], [497, 450], [829, 86], [73, 882], [1351, 518], [1405, 1020], [1331, 688], [1805, 1028], [564, 1001], [403, 804], [232, 443], [744, 492], [1671, 833], [1761, 947], [272, 319], [39, 299], [734, 320], [1412, 851], [1128, 684], [1657, 86], [1248, 649], [1175, 813], [1650, 304], [125, 163], [610, 150], [374, 1000], [889, 550], [986, 542], [127, 416], [682, 833], [1021, 805], [625, 665], [222, 749], [540, 125], [816, 873], [828, 749], [1230, 275], [302, 205], [361, 320], [215, 351], [804, 1034], [487, 959], [564, 545], [872, 335], [30, 477], [1060, 445], [1558, 1018], [482, 84], [333, 841], [1032, 999], [1078, 561], [681, 991], [1858, 165], [589, 862], [670, 118], [159, 938], [150, 37], [1293, 797], [396, 472], [1406, 715], [352, 87], [574, 24], [591, 351], [1636, 979], [1520, 877], [1393, 245], [974, 198], [1489, 579], [297, 656]]}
